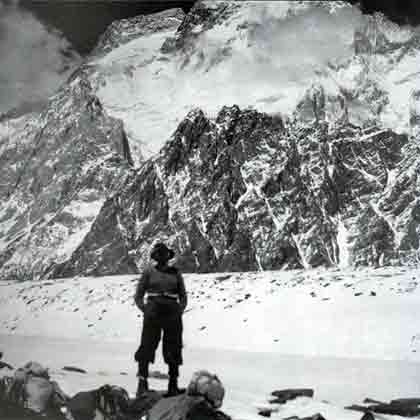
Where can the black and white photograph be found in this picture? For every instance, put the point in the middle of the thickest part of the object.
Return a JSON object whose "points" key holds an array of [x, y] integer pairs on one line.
{"points": [[209, 209]]}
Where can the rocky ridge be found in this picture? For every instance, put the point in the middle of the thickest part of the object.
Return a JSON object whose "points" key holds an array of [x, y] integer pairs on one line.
{"points": [[59, 165], [333, 183], [247, 191]]}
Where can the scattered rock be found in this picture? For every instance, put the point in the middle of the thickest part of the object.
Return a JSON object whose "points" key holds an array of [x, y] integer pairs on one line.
{"points": [[282, 396], [358, 294], [406, 401], [74, 369], [314, 417], [265, 412], [158, 375], [372, 293], [223, 278], [405, 407]]}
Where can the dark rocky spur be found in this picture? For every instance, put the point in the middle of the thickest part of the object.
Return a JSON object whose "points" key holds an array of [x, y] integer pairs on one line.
{"points": [[249, 191], [404, 407]]}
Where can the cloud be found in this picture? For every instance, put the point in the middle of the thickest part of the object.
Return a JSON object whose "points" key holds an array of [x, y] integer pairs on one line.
{"points": [[35, 59]]}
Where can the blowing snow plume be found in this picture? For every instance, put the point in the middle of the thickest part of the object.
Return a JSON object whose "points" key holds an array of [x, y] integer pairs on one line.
{"points": [[265, 55], [35, 59], [259, 54]]}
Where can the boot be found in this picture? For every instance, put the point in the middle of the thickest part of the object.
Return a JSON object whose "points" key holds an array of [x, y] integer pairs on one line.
{"points": [[173, 389], [142, 374], [142, 386]]}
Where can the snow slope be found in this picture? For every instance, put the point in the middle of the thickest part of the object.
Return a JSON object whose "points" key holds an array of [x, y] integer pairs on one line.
{"points": [[249, 377], [349, 335], [366, 313]]}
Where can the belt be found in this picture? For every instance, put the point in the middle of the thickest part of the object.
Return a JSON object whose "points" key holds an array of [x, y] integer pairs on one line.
{"points": [[165, 295]]}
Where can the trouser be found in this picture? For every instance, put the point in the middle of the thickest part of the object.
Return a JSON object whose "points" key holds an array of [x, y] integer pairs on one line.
{"points": [[161, 316]]}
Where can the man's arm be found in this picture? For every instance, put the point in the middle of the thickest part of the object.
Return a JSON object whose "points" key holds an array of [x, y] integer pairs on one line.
{"points": [[141, 290], [182, 292]]}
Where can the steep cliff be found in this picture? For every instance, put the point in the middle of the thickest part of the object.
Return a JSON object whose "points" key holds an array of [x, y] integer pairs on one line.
{"points": [[58, 166], [247, 135], [245, 191]]}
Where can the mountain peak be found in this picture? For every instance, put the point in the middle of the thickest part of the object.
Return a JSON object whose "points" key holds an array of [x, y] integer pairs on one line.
{"points": [[125, 30]]}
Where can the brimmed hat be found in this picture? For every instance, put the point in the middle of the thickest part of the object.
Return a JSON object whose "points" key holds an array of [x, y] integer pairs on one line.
{"points": [[161, 252]]}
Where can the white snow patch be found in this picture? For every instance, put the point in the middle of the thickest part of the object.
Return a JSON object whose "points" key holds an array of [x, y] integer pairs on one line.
{"points": [[343, 244], [343, 332]]}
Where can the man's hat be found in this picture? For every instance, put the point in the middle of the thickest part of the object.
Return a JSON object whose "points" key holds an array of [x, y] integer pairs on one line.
{"points": [[161, 252]]}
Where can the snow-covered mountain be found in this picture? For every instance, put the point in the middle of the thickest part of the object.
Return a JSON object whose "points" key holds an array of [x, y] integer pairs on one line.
{"points": [[245, 192], [301, 149], [58, 167], [263, 55]]}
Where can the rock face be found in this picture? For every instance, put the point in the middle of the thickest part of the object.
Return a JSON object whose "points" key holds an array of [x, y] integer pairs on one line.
{"points": [[281, 180], [245, 191], [415, 113], [58, 166]]}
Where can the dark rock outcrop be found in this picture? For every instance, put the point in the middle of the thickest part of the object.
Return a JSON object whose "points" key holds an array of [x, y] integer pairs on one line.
{"points": [[74, 369], [415, 113], [246, 192], [404, 407], [284, 395]]}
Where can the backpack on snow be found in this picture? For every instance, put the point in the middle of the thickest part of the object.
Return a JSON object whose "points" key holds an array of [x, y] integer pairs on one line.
{"points": [[207, 385], [107, 402], [31, 389]]}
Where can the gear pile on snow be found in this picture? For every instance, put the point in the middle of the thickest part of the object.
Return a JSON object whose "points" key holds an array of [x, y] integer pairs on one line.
{"points": [[31, 390], [31, 393]]}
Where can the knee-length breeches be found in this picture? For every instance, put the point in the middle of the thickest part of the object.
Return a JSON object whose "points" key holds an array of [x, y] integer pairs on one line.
{"points": [[161, 316]]}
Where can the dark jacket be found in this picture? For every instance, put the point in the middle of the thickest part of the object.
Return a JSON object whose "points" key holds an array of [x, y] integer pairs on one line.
{"points": [[167, 282]]}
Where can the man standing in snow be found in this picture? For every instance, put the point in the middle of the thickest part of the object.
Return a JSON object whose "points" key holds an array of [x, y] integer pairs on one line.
{"points": [[162, 312]]}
